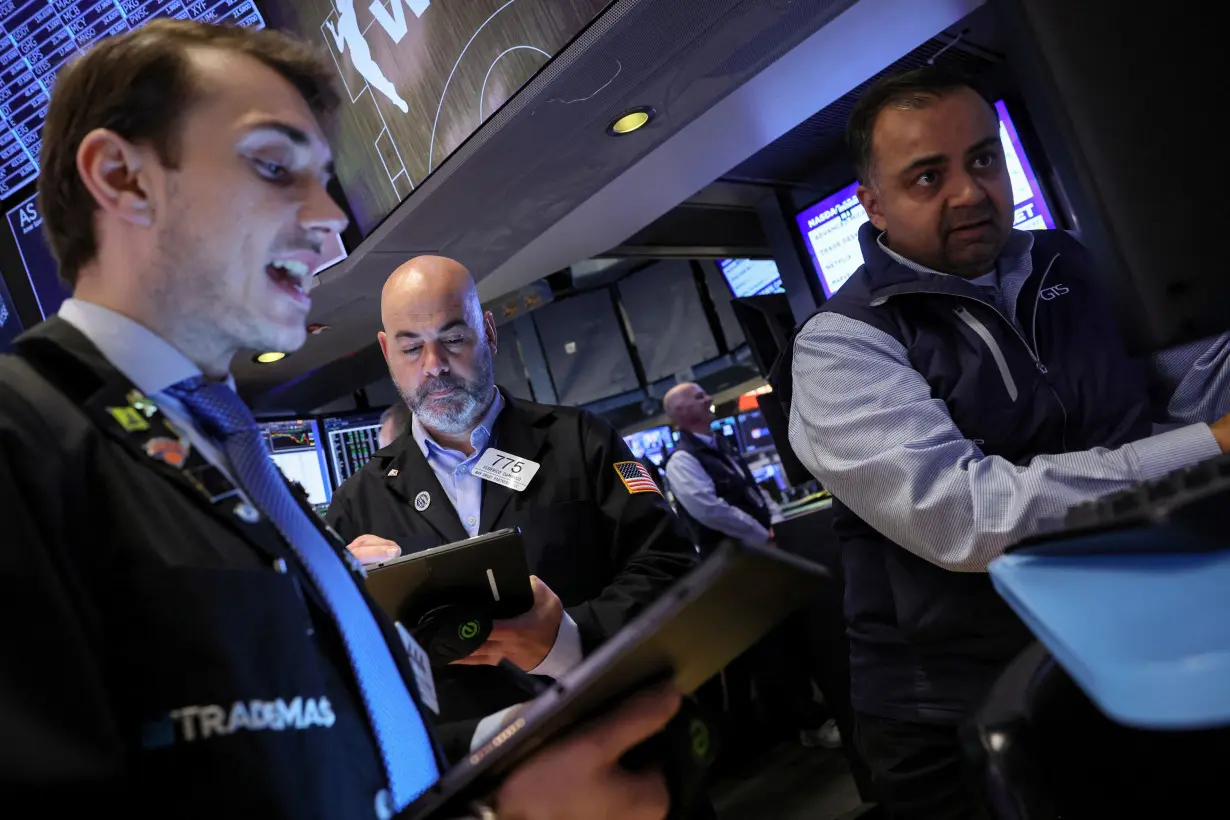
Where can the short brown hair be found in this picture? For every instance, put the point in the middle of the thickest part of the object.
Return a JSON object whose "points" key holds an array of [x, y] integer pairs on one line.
{"points": [[139, 85]]}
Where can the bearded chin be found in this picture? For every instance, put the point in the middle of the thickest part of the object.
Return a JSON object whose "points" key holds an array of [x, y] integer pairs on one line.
{"points": [[463, 410], [452, 418]]}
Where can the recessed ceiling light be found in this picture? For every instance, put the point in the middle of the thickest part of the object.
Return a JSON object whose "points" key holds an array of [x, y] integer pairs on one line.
{"points": [[631, 120], [270, 357]]}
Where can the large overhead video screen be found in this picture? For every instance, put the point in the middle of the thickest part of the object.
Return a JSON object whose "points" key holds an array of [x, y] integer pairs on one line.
{"points": [[38, 38], [420, 76], [830, 227]]}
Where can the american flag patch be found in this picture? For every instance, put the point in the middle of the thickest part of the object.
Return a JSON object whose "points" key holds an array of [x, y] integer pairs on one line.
{"points": [[636, 478]]}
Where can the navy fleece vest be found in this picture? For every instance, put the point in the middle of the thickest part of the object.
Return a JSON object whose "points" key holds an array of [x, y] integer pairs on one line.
{"points": [[733, 483], [926, 643]]}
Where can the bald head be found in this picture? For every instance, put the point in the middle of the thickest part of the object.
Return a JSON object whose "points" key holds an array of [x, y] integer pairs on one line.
{"points": [[430, 284], [689, 407], [438, 343]]}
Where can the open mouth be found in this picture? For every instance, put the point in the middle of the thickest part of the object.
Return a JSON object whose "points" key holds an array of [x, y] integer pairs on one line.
{"points": [[293, 277]]}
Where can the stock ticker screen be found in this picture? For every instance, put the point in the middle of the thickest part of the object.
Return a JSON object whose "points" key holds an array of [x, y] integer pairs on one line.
{"points": [[40, 37], [296, 448], [352, 441]]}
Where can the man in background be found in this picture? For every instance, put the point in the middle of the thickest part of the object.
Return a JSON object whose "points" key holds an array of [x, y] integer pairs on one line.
{"points": [[966, 384], [717, 495], [718, 498], [394, 423], [600, 539]]}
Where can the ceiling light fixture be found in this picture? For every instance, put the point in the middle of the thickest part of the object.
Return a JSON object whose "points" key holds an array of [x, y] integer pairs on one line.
{"points": [[631, 120], [269, 358]]}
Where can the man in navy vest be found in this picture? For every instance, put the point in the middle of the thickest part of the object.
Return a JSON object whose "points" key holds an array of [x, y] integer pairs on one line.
{"points": [[966, 384], [716, 494], [718, 498]]}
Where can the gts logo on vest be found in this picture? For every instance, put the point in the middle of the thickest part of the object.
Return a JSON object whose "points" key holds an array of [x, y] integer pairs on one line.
{"points": [[203, 722], [1053, 292]]}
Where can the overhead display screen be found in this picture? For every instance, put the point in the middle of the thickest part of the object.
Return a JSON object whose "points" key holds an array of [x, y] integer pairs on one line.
{"points": [[27, 227], [754, 433], [420, 76], [751, 277], [830, 227], [38, 38], [10, 326], [655, 444]]}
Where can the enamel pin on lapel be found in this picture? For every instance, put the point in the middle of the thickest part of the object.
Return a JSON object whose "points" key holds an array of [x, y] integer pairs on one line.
{"points": [[129, 418], [422, 501], [246, 513], [173, 452]]}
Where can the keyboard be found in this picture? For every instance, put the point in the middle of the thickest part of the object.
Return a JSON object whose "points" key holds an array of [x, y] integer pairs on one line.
{"points": [[1186, 510]]}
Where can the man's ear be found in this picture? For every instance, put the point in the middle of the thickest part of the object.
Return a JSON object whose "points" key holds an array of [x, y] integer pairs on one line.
{"points": [[870, 201], [383, 338], [493, 338], [117, 175]]}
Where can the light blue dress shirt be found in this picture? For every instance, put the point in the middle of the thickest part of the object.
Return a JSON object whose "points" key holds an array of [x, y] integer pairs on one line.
{"points": [[453, 467], [454, 470], [864, 423]]}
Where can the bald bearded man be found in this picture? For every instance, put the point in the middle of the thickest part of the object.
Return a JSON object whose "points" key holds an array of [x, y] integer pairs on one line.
{"points": [[601, 545]]}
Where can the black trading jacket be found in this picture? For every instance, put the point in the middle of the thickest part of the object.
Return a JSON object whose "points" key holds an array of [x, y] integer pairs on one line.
{"points": [[606, 552], [137, 614]]}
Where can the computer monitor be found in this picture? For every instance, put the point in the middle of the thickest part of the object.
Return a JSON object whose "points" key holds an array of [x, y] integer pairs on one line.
{"points": [[728, 428], [754, 433], [656, 444], [751, 277], [830, 227], [351, 441], [297, 449]]}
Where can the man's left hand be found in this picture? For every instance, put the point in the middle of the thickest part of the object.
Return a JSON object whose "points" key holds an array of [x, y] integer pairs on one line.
{"points": [[526, 640]]}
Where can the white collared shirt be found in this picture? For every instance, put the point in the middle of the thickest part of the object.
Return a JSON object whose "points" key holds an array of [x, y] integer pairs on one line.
{"points": [[148, 361]]}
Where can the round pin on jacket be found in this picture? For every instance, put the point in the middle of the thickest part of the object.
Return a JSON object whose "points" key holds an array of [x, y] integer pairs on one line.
{"points": [[422, 501]]}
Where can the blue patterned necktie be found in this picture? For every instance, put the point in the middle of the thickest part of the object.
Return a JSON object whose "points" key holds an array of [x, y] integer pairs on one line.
{"points": [[404, 745]]}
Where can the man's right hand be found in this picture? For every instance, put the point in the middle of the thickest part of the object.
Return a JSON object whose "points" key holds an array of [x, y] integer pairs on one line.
{"points": [[579, 777], [372, 549], [1221, 432]]}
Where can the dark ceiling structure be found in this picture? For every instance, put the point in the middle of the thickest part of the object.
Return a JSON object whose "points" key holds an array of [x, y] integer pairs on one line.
{"points": [[545, 155]]}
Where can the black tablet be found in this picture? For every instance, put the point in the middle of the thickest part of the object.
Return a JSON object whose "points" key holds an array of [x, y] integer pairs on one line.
{"points": [[697, 627], [489, 571]]}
